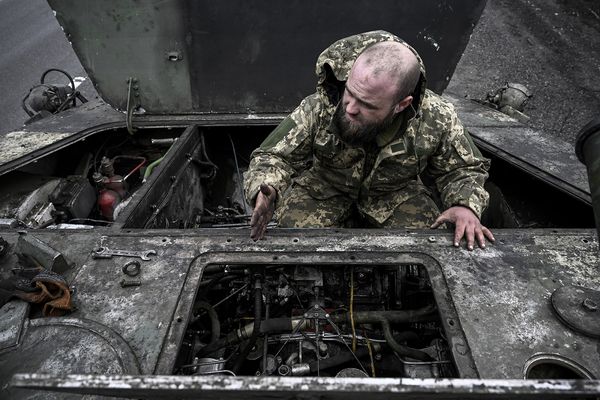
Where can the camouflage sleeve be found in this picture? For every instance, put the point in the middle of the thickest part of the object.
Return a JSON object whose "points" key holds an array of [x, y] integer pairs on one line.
{"points": [[458, 166], [286, 151]]}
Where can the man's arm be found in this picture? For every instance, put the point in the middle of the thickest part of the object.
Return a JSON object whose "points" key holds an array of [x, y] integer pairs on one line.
{"points": [[283, 155], [460, 171]]}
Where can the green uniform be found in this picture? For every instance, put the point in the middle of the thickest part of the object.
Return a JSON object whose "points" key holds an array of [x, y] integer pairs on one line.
{"points": [[319, 177]]}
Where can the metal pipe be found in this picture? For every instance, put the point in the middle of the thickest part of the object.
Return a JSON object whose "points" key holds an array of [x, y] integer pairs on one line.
{"points": [[587, 148]]}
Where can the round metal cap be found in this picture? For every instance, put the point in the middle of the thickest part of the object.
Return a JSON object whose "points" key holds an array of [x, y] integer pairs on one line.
{"points": [[579, 308]]}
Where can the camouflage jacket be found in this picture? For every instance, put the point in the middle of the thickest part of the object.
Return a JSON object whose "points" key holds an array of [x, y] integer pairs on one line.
{"points": [[305, 148]]}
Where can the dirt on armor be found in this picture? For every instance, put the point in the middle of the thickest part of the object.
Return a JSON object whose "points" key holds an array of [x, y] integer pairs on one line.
{"points": [[550, 46]]}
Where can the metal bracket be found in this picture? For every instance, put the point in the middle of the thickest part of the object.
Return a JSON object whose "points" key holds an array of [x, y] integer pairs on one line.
{"points": [[132, 93]]}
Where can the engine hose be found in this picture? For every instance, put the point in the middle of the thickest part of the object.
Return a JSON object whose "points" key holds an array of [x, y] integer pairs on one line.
{"points": [[150, 167], [271, 325], [400, 348], [275, 325], [215, 325], [427, 313], [217, 278], [386, 318], [256, 328], [211, 269], [213, 279]]}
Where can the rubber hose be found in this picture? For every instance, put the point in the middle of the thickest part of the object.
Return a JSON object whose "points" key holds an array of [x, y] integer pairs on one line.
{"points": [[215, 325], [220, 268], [273, 325], [255, 332], [392, 316], [401, 349], [150, 167]]}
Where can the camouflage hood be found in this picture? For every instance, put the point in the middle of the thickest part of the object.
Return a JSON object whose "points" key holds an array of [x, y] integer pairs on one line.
{"points": [[335, 62]]}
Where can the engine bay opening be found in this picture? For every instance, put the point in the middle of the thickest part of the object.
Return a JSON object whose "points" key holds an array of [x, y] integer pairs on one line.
{"points": [[315, 320], [520, 200], [201, 182], [186, 178], [85, 184]]}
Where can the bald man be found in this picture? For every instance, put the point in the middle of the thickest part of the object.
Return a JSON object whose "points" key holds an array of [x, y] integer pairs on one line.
{"points": [[357, 147]]}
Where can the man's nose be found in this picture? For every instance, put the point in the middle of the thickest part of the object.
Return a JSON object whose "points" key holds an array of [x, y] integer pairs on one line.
{"points": [[352, 107]]}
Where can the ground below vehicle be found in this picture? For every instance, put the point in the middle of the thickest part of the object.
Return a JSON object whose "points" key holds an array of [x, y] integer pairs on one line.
{"points": [[445, 313]]}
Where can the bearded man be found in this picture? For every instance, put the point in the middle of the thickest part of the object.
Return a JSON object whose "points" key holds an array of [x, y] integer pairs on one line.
{"points": [[358, 146]]}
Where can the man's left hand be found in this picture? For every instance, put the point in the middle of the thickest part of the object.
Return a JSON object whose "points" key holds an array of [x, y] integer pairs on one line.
{"points": [[466, 224]]}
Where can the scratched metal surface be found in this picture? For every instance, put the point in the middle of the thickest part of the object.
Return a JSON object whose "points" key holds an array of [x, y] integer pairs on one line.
{"points": [[501, 294]]}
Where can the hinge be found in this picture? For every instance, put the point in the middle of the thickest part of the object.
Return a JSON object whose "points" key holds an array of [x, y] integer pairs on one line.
{"points": [[133, 98]]}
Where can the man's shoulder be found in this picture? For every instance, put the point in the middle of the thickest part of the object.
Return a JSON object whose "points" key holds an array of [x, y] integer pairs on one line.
{"points": [[314, 107], [437, 117], [435, 106]]}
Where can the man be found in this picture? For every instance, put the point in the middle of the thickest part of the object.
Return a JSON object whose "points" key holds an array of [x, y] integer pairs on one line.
{"points": [[359, 145]]}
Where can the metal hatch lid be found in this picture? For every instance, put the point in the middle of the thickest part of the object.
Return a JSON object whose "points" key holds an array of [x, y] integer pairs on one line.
{"points": [[240, 57]]}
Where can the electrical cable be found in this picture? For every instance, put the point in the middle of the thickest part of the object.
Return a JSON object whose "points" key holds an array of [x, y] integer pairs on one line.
{"points": [[237, 168], [369, 347], [352, 309]]}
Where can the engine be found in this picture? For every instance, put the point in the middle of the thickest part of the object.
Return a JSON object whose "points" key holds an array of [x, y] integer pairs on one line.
{"points": [[301, 320]]}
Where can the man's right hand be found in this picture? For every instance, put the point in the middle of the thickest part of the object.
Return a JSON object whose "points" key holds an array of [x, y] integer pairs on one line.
{"points": [[263, 211]]}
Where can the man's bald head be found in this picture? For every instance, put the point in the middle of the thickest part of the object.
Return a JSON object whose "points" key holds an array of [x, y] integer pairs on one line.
{"points": [[394, 60]]}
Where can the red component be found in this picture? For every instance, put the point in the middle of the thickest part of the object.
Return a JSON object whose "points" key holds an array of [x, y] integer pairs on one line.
{"points": [[117, 184], [107, 201]]}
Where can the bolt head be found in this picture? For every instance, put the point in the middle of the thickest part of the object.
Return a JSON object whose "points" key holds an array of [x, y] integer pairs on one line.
{"points": [[590, 304]]}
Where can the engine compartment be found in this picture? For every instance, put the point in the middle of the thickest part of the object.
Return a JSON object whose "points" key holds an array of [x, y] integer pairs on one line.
{"points": [[92, 182], [315, 320]]}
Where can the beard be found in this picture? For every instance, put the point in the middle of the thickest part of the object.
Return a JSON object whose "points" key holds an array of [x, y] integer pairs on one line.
{"points": [[355, 134]]}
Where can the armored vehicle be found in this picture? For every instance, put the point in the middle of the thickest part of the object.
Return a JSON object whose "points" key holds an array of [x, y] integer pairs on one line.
{"points": [[131, 206]]}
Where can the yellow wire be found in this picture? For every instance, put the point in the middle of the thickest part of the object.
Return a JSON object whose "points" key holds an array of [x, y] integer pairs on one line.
{"points": [[352, 309], [370, 354]]}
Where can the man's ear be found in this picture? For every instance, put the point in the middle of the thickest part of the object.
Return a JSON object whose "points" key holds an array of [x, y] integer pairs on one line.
{"points": [[405, 102]]}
